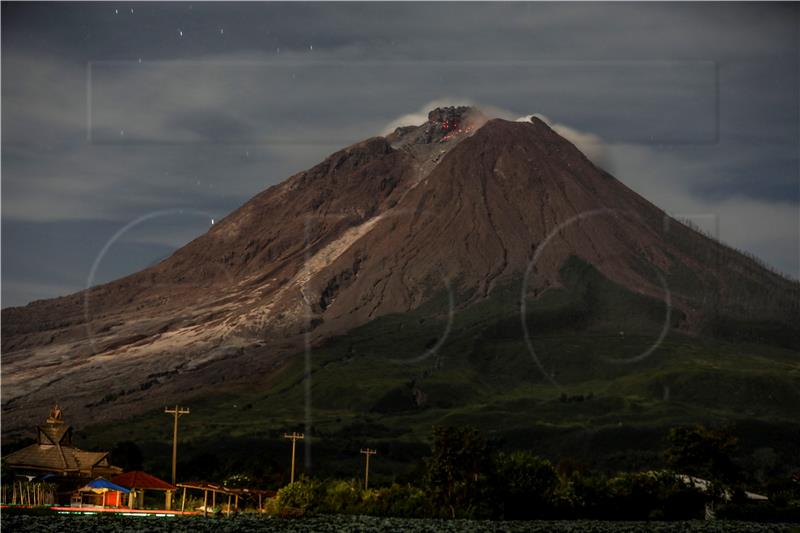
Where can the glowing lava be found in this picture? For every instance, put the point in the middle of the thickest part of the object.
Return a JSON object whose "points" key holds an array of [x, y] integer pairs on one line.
{"points": [[453, 128]]}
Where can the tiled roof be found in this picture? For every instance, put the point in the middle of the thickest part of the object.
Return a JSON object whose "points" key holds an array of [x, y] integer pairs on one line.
{"points": [[87, 459], [141, 480], [55, 458], [46, 457]]}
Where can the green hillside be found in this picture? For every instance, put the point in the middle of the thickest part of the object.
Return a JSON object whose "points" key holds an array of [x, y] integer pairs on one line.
{"points": [[604, 404]]}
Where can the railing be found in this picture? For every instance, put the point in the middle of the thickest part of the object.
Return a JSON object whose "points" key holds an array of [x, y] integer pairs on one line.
{"points": [[31, 493]]}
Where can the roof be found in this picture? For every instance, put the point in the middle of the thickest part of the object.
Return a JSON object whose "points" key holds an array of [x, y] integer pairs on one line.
{"points": [[54, 432], [86, 459], [54, 458], [204, 485], [257, 492], [141, 480], [236, 491], [46, 457], [101, 484]]}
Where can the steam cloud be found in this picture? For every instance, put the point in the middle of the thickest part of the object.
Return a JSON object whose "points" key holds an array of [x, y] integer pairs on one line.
{"points": [[590, 144]]}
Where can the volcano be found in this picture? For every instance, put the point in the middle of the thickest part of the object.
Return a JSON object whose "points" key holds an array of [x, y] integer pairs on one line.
{"points": [[413, 234]]}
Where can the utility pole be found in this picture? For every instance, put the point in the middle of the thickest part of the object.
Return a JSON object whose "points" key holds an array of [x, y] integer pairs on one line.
{"points": [[176, 412], [294, 437], [367, 452]]}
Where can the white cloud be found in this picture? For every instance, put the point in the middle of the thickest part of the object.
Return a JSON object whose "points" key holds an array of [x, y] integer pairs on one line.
{"points": [[768, 229]]}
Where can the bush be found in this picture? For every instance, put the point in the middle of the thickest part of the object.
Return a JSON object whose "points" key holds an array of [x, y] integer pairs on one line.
{"points": [[404, 501], [301, 496], [653, 495], [341, 497], [524, 486], [705, 453]]}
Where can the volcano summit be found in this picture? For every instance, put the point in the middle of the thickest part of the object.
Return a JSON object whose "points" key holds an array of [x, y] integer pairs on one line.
{"points": [[450, 271]]}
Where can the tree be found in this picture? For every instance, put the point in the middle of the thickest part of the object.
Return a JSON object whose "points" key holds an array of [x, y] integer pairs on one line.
{"points": [[652, 495], [524, 485], [704, 453], [457, 469]]}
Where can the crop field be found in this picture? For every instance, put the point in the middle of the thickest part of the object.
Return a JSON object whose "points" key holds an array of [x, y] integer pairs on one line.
{"points": [[335, 523]]}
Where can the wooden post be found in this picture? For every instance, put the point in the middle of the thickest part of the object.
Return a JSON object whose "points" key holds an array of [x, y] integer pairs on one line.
{"points": [[259, 502], [176, 413], [229, 505], [294, 437], [236, 503], [183, 500], [367, 452], [168, 500], [213, 499], [205, 503]]}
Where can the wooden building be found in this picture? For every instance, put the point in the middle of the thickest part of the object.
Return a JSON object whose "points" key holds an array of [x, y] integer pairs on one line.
{"points": [[54, 453]]}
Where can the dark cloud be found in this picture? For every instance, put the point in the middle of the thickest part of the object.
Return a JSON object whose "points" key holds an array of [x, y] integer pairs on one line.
{"points": [[215, 127], [109, 115], [55, 258]]}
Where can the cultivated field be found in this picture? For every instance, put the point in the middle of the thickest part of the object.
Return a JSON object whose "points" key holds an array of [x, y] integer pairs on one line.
{"points": [[336, 523]]}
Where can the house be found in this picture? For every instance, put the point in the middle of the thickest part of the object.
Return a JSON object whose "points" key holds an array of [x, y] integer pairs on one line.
{"points": [[54, 453]]}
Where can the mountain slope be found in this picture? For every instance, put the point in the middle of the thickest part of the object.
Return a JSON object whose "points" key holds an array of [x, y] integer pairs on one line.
{"points": [[458, 205]]}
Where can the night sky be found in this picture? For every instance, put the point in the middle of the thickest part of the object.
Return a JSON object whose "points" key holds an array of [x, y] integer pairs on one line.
{"points": [[128, 127]]}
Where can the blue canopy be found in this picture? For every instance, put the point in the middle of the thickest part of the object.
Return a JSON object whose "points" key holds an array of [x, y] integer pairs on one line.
{"points": [[101, 484]]}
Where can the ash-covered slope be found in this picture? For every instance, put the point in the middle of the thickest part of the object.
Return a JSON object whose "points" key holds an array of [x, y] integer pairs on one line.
{"points": [[376, 228]]}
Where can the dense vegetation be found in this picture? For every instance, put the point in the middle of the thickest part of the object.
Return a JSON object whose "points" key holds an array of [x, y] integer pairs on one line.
{"points": [[466, 475], [466, 481], [465, 478]]}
